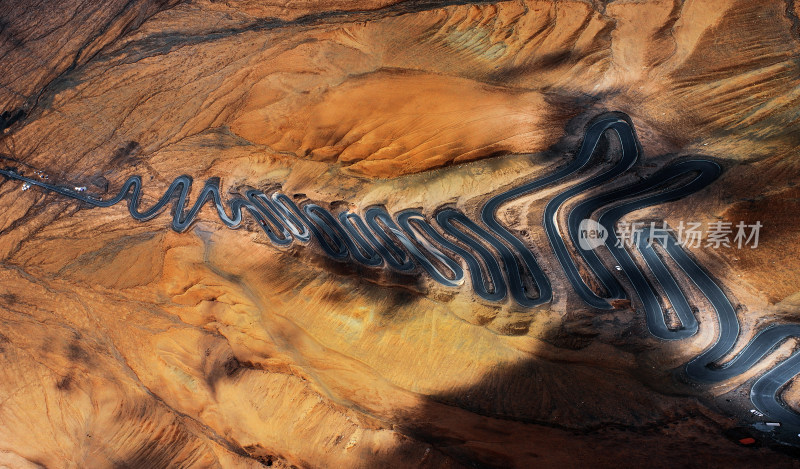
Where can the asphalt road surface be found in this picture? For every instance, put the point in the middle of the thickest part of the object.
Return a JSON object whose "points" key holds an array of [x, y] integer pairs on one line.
{"points": [[501, 265]]}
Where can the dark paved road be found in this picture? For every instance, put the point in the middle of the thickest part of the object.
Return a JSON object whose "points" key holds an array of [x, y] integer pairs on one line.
{"points": [[501, 265]]}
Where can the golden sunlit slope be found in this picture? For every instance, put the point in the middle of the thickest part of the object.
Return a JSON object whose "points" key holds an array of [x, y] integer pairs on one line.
{"points": [[124, 344]]}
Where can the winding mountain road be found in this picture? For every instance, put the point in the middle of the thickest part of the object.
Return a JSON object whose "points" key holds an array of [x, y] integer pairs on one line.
{"points": [[501, 265]]}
